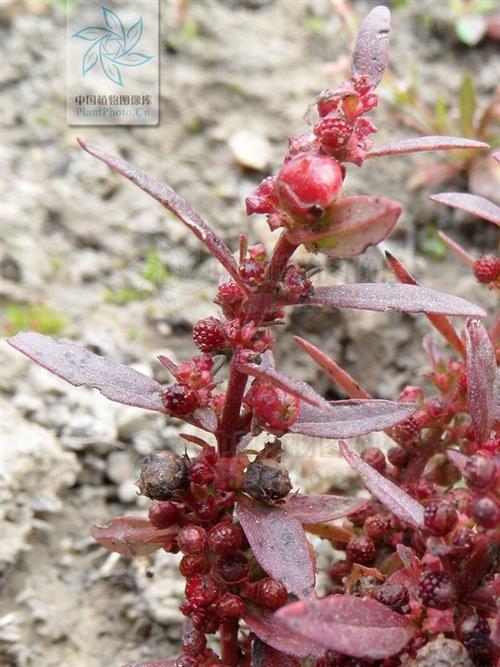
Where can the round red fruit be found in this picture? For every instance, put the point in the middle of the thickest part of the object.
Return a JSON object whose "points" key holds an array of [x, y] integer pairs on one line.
{"points": [[361, 550], [230, 606], [436, 590], [163, 514], [208, 334], [487, 269], [201, 590], [479, 472], [440, 518], [192, 564], [485, 512], [308, 184], [192, 539], [374, 457], [270, 593], [179, 400], [225, 538]]}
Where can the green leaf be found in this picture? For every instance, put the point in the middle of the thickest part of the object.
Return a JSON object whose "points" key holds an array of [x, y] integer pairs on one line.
{"points": [[468, 103], [36, 317]]}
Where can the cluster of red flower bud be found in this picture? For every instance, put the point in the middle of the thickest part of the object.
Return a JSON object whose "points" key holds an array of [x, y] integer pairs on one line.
{"points": [[311, 177], [196, 497]]}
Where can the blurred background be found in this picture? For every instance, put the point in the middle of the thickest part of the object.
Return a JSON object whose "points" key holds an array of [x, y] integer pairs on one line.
{"points": [[86, 256]]}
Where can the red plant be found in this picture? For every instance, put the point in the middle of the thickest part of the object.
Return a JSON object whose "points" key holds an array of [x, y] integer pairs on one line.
{"points": [[421, 552]]}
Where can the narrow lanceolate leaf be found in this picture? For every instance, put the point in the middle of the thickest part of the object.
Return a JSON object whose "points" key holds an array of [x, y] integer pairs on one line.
{"points": [[131, 536], [351, 226], [80, 367], [319, 509], [481, 372], [473, 204], [395, 499], [333, 370], [285, 382], [440, 322], [388, 296], [371, 49], [266, 626], [358, 627], [266, 656], [171, 201], [351, 418], [421, 144], [280, 546]]}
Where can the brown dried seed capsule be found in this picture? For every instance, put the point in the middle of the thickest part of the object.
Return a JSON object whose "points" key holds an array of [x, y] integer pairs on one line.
{"points": [[267, 480], [441, 652], [162, 474]]}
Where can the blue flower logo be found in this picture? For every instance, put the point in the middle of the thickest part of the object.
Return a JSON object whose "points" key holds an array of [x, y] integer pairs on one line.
{"points": [[112, 47]]}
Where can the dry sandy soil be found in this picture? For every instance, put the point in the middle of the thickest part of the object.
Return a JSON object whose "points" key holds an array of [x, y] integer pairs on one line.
{"points": [[76, 240]]}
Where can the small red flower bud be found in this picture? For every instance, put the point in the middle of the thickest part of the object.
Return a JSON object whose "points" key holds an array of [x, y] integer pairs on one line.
{"points": [[339, 570], [225, 538], [179, 400], [201, 590], [208, 334], [393, 595], [407, 431], [411, 394], [398, 457], [207, 509], [440, 518], [264, 198], [308, 184], [378, 527], [436, 590], [361, 550], [479, 472], [163, 514], [229, 297], [333, 132], [270, 593], [192, 539], [192, 564], [201, 474], [487, 269], [230, 606], [375, 457], [274, 409], [464, 537], [485, 512], [232, 568]]}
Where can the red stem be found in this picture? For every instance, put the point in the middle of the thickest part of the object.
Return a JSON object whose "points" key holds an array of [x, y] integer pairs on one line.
{"points": [[260, 302], [230, 652]]}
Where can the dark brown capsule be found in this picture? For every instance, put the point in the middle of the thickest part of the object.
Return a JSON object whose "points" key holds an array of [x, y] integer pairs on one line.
{"points": [[267, 480], [162, 475]]}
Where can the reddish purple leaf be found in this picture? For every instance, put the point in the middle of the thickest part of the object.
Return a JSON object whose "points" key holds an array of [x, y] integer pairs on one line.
{"points": [[389, 296], [359, 627], [80, 367], [420, 144], [279, 544], [153, 663], [319, 509], [131, 536], [268, 628], [389, 494], [473, 204], [333, 370], [371, 49], [481, 369], [440, 322], [496, 156], [348, 419], [171, 201], [351, 226], [266, 656], [285, 382], [206, 419]]}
